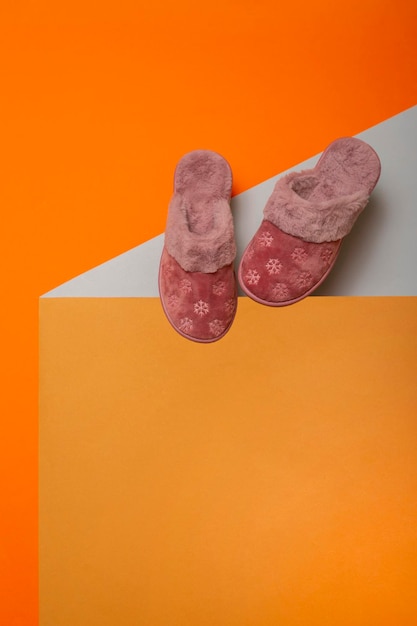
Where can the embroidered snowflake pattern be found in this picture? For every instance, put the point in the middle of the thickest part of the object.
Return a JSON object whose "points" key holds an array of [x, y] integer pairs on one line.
{"points": [[186, 325], [299, 254], [326, 255], [185, 286], [173, 301], [216, 327], [169, 268], [229, 306], [250, 253], [252, 277], [219, 287], [201, 308], [265, 239], [280, 291], [273, 266], [304, 279]]}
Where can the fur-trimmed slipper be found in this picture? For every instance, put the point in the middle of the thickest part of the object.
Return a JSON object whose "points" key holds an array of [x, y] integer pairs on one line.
{"points": [[305, 220], [197, 282]]}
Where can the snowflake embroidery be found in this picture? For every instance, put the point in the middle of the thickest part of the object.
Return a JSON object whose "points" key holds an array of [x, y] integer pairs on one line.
{"points": [[250, 253], [273, 266], [173, 301], [216, 327], [169, 268], [229, 306], [326, 255], [299, 254], [280, 291], [186, 325], [265, 239], [252, 277], [185, 286], [219, 287], [201, 308], [304, 279]]}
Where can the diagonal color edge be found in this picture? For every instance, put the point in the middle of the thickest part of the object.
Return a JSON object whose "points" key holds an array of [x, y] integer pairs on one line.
{"points": [[378, 258]]}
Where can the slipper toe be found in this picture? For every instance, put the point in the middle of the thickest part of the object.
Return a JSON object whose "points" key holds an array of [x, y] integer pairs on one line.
{"points": [[279, 269], [200, 306]]}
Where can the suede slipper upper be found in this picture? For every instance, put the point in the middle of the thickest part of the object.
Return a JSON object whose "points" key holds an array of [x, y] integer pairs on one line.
{"points": [[197, 283], [305, 220]]}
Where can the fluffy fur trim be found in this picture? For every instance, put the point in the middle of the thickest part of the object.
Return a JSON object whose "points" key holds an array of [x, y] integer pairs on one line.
{"points": [[199, 232], [200, 252], [316, 221], [323, 203]]}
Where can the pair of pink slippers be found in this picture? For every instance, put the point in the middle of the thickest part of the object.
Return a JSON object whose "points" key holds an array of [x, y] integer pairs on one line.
{"points": [[305, 220]]}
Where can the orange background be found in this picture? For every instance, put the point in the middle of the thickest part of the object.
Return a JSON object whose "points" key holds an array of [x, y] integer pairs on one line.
{"points": [[100, 100]]}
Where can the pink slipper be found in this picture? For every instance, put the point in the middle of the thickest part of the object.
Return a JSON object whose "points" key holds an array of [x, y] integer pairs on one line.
{"points": [[197, 282], [305, 220]]}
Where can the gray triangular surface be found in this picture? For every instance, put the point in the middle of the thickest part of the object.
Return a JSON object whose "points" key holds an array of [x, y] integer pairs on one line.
{"points": [[378, 258]]}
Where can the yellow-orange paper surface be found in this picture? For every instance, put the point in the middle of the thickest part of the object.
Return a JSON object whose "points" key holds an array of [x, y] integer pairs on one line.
{"points": [[269, 478]]}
